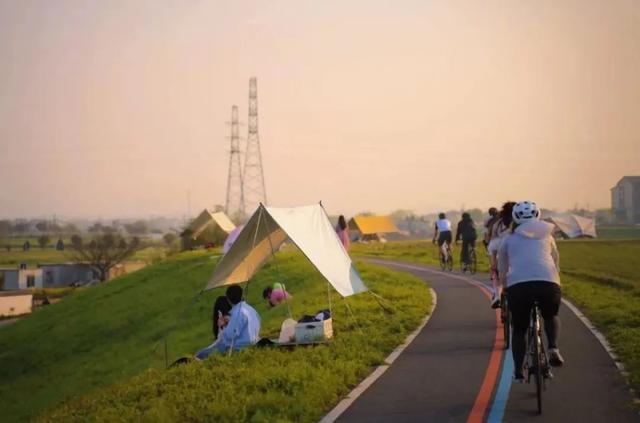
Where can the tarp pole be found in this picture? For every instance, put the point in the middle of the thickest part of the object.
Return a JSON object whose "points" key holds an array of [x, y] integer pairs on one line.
{"points": [[175, 324], [352, 315], [379, 300]]}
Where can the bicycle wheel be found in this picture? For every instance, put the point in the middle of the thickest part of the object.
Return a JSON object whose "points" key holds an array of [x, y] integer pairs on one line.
{"points": [[450, 261], [537, 360], [473, 266], [443, 263]]}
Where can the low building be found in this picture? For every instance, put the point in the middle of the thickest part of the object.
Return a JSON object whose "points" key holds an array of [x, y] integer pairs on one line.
{"points": [[66, 274], [17, 278], [15, 303], [625, 200]]}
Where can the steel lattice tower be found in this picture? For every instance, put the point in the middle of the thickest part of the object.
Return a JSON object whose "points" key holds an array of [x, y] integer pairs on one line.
{"points": [[234, 206], [254, 187]]}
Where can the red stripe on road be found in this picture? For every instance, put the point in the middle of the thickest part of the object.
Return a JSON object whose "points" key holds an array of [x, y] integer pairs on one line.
{"points": [[483, 400]]}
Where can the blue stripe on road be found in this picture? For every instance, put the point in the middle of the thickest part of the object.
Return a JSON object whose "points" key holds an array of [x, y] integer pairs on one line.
{"points": [[502, 394]]}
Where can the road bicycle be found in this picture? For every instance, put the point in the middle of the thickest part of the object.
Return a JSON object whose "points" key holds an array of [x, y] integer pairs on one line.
{"points": [[536, 363], [472, 266], [505, 318], [446, 257]]}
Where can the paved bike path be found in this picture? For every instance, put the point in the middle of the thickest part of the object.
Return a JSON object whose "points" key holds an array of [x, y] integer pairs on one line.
{"points": [[443, 373]]}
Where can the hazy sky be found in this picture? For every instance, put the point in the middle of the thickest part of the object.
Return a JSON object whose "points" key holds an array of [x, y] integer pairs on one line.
{"points": [[118, 108]]}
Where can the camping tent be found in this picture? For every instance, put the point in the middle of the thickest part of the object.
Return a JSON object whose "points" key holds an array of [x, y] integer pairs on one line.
{"points": [[370, 227], [207, 218], [308, 227], [573, 226]]}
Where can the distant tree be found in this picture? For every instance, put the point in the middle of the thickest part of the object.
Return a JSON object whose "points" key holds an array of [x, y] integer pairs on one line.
{"points": [[76, 240], [43, 240], [5, 228], [104, 252], [21, 227], [95, 228], [139, 227], [70, 228], [42, 226], [364, 213], [170, 238], [401, 214], [60, 245], [56, 228], [218, 208], [100, 228]]}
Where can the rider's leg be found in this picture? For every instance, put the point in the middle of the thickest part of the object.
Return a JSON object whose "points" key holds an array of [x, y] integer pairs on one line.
{"points": [[497, 287], [465, 251], [520, 308], [549, 299]]}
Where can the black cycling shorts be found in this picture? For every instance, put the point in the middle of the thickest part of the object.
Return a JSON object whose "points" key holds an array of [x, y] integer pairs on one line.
{"points": [[444, 236]]}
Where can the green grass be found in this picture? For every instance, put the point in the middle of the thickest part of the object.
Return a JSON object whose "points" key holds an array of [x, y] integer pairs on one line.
{"points": [[50, 255], [601, 277], [93, 351], [618, 232]]}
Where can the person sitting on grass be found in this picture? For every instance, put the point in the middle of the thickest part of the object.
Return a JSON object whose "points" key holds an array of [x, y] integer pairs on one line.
{"points": [[242, 329], [220, 316], [275, 294]]}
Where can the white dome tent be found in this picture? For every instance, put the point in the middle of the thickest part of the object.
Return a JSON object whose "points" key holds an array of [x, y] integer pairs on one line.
{"points": [[570, 225]]}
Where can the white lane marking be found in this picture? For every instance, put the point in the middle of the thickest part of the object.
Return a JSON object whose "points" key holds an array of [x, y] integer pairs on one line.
{"points": [[343, 405]]}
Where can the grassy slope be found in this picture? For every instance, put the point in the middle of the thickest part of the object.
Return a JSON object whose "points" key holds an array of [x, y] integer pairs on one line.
{"points": [[106, 334], [601, 277]]}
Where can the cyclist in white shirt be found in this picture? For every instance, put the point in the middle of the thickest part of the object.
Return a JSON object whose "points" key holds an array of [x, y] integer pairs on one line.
{"points": [[442, 230], [528, 263]]}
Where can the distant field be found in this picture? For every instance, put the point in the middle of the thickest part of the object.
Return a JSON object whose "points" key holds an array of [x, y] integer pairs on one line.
{"points": [[602, 277], [105, 335], [618, 232], [50, 255]]}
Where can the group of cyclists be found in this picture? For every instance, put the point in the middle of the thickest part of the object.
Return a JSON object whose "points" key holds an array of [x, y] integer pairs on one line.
{"points": [[524, 260]]}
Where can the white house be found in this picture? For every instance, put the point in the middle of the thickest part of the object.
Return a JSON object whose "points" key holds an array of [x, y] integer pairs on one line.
{"points": [[20, 278]]}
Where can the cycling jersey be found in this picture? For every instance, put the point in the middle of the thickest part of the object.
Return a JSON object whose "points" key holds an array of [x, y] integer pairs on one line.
{"points": [[443, 225]]}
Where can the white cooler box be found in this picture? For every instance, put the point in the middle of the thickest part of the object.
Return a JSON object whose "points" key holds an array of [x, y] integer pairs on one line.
{"points": [[314, 331]]}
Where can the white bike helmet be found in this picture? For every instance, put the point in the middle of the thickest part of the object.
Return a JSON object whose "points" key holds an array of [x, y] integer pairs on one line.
{"points": [[525, 211]]}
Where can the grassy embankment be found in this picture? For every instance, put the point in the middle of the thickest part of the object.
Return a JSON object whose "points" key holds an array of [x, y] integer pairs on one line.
{"points": [[600, 277], [104, 336]]}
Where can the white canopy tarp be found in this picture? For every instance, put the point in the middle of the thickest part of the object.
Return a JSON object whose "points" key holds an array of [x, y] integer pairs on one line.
{"points": [[574, 226], [308, 227]]}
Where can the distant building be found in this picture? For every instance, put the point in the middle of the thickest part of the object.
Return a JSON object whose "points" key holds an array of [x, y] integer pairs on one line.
{"points": [[66, 274], [625, 200], [20, 278]]}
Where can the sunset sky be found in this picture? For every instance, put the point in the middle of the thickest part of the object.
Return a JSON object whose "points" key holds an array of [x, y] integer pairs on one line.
{"points": [[118, 108]]}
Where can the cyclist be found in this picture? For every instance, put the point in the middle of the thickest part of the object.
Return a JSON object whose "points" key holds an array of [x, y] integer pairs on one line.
{"points": [[499, 230], [467, 233], [493, 217], [529, 268], [442, 231]]}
